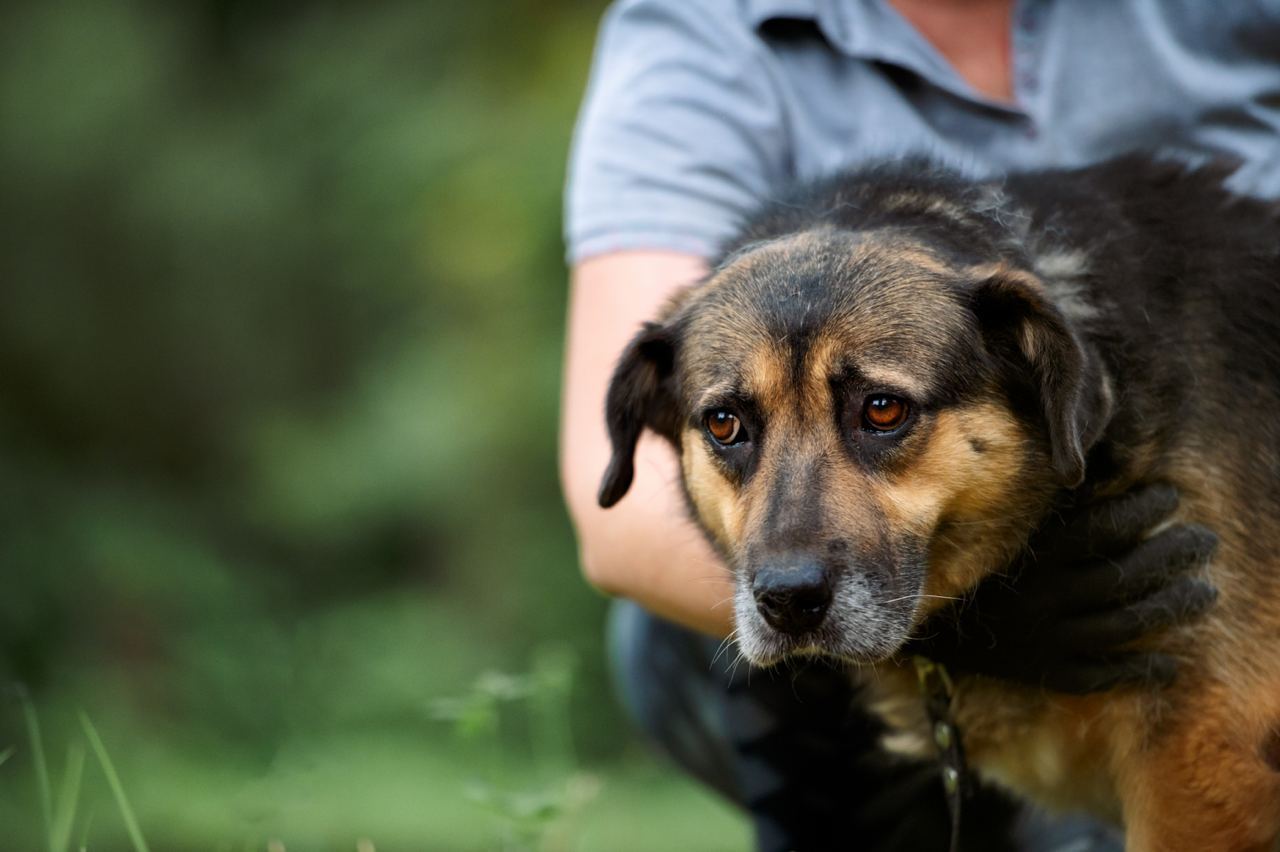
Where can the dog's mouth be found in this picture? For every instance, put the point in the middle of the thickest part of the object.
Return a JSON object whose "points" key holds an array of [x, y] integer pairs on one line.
{"points": [[846, 622]]}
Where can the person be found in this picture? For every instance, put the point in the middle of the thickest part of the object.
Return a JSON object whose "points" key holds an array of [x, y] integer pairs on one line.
{"points": [[697, 109]]}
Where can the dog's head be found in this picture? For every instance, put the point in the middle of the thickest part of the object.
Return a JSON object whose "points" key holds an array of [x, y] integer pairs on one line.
{"points": [[865, 427]]}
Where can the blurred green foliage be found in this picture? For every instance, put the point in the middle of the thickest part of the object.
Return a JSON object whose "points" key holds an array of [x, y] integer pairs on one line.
{"points": [[279, 357]]}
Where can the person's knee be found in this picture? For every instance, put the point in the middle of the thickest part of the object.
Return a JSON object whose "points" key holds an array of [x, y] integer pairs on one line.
{"points": [[629, 637], [664, 678]]}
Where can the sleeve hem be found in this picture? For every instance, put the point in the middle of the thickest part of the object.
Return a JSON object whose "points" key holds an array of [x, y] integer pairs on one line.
{"points": [[632, 238]]}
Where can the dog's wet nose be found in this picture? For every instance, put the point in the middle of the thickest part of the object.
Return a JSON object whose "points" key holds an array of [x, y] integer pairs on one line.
{"points": [[793, 598]]}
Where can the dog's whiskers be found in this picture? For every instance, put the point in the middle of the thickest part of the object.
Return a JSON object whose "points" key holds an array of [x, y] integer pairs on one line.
{"points": [[725, 645], [1003, 520], [733, 667], [918, 597]]}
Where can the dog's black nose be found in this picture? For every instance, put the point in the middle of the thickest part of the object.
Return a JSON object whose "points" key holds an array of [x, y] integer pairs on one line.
{"points": [[794, 597]]}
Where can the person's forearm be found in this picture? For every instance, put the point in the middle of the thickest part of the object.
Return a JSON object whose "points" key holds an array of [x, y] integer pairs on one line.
{"points": [[645, 548]]}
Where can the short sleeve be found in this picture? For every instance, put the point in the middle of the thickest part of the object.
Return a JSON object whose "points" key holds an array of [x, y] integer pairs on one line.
{"points": [[680, 133]]}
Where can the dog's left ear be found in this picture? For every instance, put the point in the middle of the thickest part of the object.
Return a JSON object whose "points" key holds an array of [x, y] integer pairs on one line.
{"points": [[641, 394], [1022, 326]]}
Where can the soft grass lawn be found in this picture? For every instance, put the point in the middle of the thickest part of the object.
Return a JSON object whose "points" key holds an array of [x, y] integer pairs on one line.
{"points": [[375, 791], [343, 740], [646, 808]]}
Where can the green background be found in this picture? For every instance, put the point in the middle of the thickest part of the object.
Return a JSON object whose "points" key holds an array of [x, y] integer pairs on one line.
{"points": [[279, 370]]}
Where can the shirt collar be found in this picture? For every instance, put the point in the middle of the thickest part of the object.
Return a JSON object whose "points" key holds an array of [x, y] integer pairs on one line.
{"points": [[864, 29], [760, 11], [822, 13], [870, 30]]}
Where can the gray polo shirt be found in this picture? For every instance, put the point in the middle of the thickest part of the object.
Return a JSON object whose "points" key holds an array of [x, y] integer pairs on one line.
{"points": [[696, 108]]}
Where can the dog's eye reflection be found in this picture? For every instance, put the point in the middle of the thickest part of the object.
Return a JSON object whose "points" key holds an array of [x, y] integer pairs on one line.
{"points": [[884, 413], [725, 428]]}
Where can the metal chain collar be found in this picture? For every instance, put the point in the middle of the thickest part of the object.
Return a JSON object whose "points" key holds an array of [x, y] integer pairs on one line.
{"points": [[937, 689]]}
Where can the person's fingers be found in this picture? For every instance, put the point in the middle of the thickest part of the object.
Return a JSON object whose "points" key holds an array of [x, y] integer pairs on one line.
{"points": [[1171, 551], [1179, 602], [1115, 524], [1084, 677], [1153, 563]]}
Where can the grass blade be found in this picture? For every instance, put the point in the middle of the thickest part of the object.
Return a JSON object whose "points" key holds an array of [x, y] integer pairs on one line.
{"points": [[109, 769], [64, 808], [84, 832], [37, 757], [6, 754]]}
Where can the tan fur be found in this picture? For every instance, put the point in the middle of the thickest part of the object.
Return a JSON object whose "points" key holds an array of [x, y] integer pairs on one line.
{"points": [[1182, 769], [885, 375], [971, 495], [719, 512]]}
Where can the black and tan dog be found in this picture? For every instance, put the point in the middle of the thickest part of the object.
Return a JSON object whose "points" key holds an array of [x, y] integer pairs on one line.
{"points": [[886, 379]]}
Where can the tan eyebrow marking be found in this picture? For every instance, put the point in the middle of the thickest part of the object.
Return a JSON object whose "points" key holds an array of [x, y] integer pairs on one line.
{"points": [[881, 374], [713, 394]]}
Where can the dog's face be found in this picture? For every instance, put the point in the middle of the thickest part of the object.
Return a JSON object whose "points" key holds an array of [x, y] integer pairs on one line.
{"points": [[865, 429]]}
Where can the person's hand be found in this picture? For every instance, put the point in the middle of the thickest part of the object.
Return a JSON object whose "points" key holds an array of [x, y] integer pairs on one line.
{"points": [[1089, 583]]}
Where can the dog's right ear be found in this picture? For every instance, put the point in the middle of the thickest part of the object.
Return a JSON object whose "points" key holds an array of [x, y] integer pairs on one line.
{"points": [[641, 394]]}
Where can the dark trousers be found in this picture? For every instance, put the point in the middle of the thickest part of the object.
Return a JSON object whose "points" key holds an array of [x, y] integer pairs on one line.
{"points": [[794, 748]]}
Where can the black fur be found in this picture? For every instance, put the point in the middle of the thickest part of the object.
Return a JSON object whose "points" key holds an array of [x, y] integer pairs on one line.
{"points": [[640, 395]]}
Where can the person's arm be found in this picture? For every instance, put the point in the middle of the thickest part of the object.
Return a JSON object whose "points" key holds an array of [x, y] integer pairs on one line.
{"points": [[681, 130], [645, 548]]}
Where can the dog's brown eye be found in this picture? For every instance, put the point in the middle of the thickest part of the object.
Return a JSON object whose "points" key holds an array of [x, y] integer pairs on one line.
{"points": [[724, 427], [884, 413]]}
